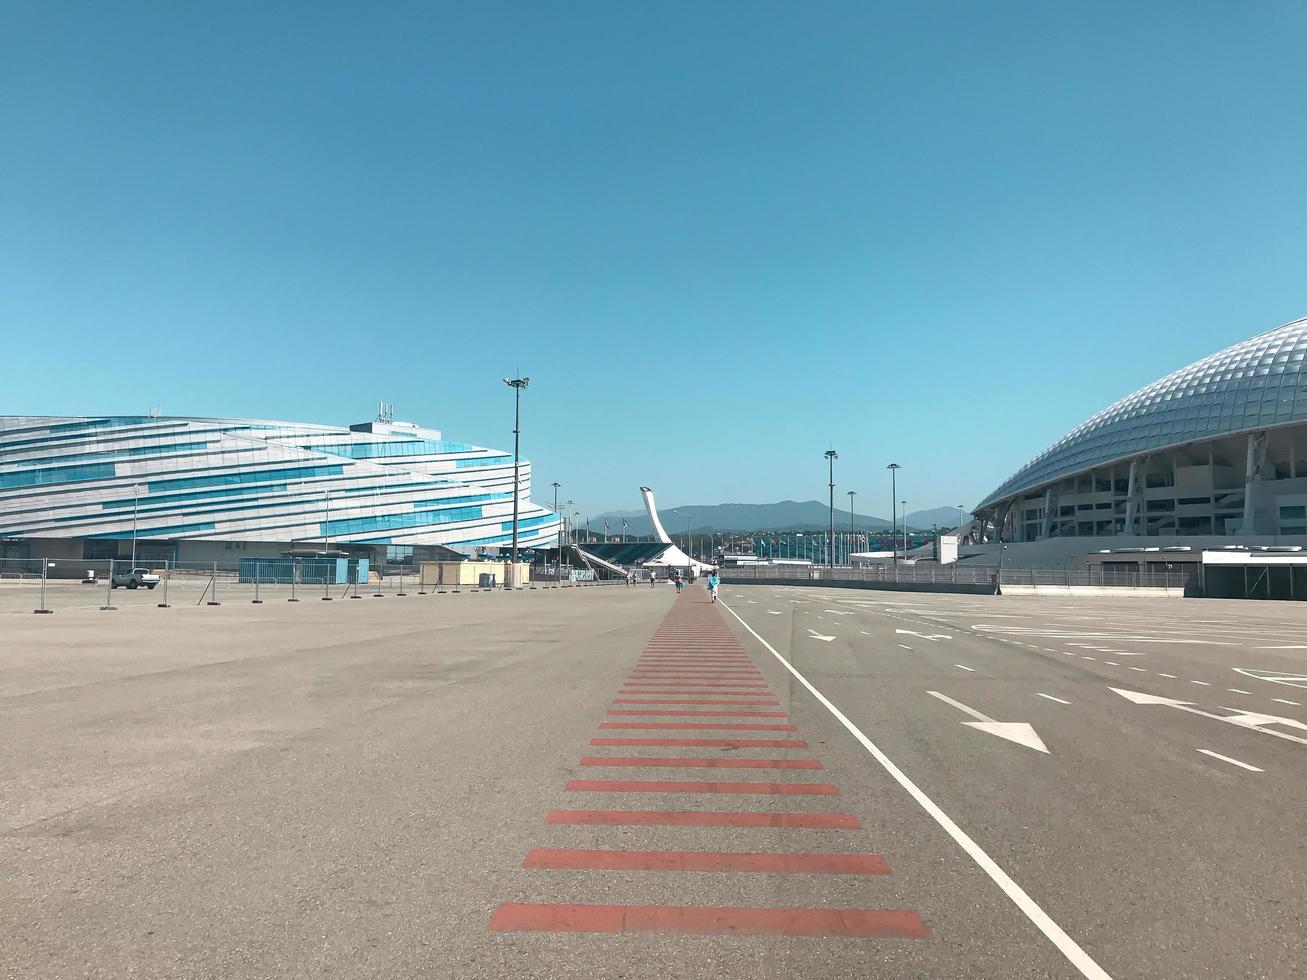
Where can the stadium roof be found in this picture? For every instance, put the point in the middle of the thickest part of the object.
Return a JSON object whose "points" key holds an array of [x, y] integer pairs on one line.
{"points": [[1255, 384]]}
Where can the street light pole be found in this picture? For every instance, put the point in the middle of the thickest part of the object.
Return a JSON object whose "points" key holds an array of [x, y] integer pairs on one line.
{"points": [[904, 511], [517, 384], [831, 456], [853, 530], [559, 536], [136, 499], [894, 517]]}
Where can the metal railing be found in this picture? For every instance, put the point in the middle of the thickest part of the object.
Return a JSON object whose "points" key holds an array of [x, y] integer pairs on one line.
{"points": [[111, 584], [967, 575]]}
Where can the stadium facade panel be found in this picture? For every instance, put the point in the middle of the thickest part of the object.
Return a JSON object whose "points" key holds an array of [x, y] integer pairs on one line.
{"points": [[195, 487], [1218, 448]]}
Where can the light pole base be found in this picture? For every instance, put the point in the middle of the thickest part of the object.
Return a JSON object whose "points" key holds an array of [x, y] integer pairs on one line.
{"points": [[108, 608], [165, 605], [292, 600], [213, 602], [43, 612], [256, 602]]}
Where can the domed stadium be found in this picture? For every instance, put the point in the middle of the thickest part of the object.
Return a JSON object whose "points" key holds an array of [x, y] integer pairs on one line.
{"points": [[195, 489], [1216, 450]]}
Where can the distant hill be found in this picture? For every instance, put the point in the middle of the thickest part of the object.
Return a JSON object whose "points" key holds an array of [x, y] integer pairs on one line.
{"points": [[784, 515]]}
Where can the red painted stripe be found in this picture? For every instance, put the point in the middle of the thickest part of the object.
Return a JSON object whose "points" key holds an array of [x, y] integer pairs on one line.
{"points": [[686, 700], [686, 668], [678, 762], [767, 863], [694, 681], [706, 743], [693, 659], [729, 692], [735, 726], [676, 786], [701, 921], [668, 712], [700, 818], [679, 678]]}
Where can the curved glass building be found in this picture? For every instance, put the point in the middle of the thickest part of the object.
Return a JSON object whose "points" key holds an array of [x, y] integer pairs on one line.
{"points": [[201, 489], [1214, 449]]}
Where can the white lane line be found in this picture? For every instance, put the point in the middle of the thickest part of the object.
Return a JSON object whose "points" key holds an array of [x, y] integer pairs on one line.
{"points": [[864, 632], [1112, 663], [972, 669], [1142, 670], [1233, 762], [904, 647], [1283, 701], [1067, 946], [1083, 657], [1235, 690], [1051, 698], [1203, 683], [1172, 676]]}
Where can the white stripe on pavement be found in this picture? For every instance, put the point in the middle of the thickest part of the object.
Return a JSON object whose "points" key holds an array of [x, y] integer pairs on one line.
{"points": [[1067, 946]]}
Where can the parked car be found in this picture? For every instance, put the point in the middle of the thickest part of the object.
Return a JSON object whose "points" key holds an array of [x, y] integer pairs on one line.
{"points": [[135, 578]]}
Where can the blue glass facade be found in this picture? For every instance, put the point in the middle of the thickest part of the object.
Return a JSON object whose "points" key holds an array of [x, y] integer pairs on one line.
{"points": [[234, 480]]}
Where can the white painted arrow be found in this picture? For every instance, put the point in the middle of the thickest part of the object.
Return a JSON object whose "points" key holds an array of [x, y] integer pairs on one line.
{"points": [[818, 636], [1247, 720], [1013, 731], [933, 637]]}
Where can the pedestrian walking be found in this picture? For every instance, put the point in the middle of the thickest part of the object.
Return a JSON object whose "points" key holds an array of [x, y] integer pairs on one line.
{"points": [[653, 578], [713, 582]]}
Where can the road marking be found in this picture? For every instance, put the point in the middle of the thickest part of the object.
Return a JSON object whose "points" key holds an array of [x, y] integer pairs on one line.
{"points": [[1142, 670], [864, 632], [905, 647], [765, 863], [1083, 657], [1235, 690], [813, 634], [701, 818], [933, 637], [704, 743], [1283, 701], [1247, 720], [1274, 677], [710, 921], [1233, 762], [670, 726], [1013, 731], [690, 699], [678, 762], [696, 786], [1203, 683], [1172, 676], [1051, 698], [774, 612], [1112, 663], [1067, 946], [972, 669]]}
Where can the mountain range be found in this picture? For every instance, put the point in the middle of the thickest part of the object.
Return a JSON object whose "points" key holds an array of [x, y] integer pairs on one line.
{"points": [[785, 515]]}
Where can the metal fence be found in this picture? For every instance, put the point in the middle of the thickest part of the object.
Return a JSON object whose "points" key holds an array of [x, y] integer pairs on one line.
{"points": [[113, 584], [960, 575]]}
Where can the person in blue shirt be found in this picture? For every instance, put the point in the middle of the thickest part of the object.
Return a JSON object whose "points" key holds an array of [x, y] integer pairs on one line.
{"points": [[713, 582]]}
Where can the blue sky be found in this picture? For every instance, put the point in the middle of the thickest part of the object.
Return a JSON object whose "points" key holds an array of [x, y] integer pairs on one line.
{"points": [[718, 237]]}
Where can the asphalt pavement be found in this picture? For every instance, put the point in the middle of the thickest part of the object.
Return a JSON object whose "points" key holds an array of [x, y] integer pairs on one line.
{"points": [[621, 782]]}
